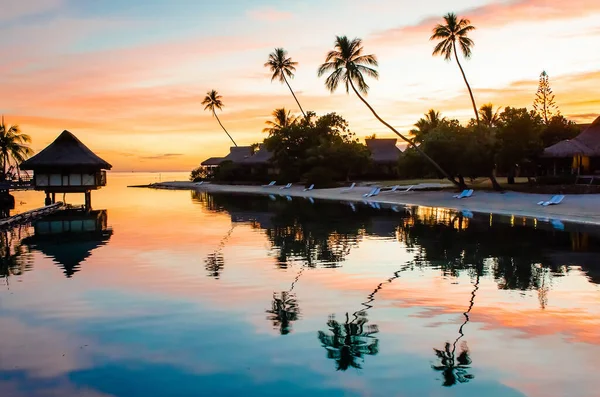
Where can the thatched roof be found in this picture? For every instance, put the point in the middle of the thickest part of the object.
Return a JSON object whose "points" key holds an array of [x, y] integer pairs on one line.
{"points": [[212, 161], [585, 144], [383, 150], [65, 151], [238, 154]]}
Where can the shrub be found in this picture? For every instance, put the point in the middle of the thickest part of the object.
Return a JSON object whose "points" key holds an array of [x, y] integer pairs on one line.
{"points": [[556, 180], [198, 174], [321, 177]]}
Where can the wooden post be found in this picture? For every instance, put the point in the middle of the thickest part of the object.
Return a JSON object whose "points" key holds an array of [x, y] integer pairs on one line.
{"points": [[88, 200], [48, 200], [53, 198]]}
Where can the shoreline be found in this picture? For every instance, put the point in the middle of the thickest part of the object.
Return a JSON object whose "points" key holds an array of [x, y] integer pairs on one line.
{"points": [[581, 209]]}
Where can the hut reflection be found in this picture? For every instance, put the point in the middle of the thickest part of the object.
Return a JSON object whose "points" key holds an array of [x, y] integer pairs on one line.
{"points": [[70, 236]]}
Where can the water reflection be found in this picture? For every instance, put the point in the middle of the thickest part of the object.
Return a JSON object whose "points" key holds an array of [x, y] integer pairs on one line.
{"points": [[215, 262], [454, 368], [15, 257], [69, 236], [284, 308], [348, 342]]}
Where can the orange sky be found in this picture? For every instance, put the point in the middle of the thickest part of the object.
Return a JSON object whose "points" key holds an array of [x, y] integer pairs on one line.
{"points": [[128, 79]]}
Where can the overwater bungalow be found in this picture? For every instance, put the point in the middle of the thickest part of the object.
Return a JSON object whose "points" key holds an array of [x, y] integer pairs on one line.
{"points": [[67, 166], [578, 156]]}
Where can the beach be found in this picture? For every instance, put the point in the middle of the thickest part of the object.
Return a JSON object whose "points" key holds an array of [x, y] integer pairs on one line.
{"points": [[574, 208]]}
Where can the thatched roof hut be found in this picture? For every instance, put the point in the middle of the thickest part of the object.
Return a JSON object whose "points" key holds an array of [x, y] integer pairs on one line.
{"points": [[65, 152], [261, 156], [585, 144], [212, 162], [383, 150]]}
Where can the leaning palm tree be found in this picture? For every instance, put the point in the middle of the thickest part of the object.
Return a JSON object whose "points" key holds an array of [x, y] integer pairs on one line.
{"points": [[13, 147], [488, 116], [281, 119], [449, 33], [212, 102], [282, 66], [348, 66]]}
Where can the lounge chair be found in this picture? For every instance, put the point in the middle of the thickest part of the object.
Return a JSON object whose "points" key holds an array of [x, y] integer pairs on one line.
{"points": [[289, 185], [374, 192], [555, 200], [311, 187], [558, 225], [199, 183], [345, 190], [465, 194], [271, 184]]}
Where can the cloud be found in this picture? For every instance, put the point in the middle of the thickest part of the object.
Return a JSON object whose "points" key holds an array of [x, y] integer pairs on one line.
{"points": [[269, 15], [161, 156], [494, 15], [16, 9]]}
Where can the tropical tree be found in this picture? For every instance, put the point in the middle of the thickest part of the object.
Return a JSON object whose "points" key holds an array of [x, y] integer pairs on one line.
{"points": [[488, 116], [425, 124], [281, 119], [282, 66], [13, 147], [348, 65], [284, 310], [212, 102], [544, 104], [449, 33]]}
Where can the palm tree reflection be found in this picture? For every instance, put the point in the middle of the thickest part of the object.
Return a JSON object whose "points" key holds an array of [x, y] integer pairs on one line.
{"points": [[454, 368], [215, 262], [15, 258], [350, 341], [284, 308]]}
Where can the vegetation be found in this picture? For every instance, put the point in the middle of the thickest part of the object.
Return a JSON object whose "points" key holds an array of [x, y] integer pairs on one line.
{"points": [[348, 66], [281, 119], [282, 66], [449, 33], [544, 104], [212, 102], [14, 148]]}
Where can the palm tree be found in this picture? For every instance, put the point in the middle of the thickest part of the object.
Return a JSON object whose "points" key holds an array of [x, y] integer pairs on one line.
{"points": [[213, 101], [280, 65], [348, 65], [13, 147], [488, 116], [284, 310], [281, 119], [425, 124], [452, 31]]}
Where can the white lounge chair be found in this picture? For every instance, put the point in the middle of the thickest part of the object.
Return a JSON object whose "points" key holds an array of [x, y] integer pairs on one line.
{"points": [[271, 184], [311, 187], [374, 192], [199, 183], [345, 190], [555, 200], [289, 185]]}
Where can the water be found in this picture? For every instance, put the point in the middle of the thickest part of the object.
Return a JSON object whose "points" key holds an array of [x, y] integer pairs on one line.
{"points": [[170, 293]]}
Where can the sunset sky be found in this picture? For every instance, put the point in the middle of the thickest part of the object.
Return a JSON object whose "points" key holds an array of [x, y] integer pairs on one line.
{"points": [[127, 77]]}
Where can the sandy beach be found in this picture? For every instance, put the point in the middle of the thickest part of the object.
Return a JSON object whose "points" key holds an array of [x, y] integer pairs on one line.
{"points": [[574, 208]]}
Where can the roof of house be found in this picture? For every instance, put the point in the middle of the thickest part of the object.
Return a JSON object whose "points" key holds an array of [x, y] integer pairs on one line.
{"points": [[383, 150], [262, 156], [238, 154], [585, 144], [212, 161], [65, 151]]}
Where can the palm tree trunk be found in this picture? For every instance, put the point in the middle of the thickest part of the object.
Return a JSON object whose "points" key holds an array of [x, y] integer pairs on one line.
{"points": [[409, 141], [294, 95], [467, 83], [217, 117]]}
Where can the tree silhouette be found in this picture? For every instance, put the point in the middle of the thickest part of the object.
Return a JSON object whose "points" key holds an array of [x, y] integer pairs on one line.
{"points": [[281, 119], [212, 102], [13, 147], [449, 33], [282, 66], [347, 65], [544, 104]]}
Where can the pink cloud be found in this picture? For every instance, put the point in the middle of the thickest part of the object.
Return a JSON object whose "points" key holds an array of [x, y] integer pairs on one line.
{"points": [[269, 15]]}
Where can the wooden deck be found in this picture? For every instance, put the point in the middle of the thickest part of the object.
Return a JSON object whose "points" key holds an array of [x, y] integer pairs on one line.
{"points": [[29, 216]]}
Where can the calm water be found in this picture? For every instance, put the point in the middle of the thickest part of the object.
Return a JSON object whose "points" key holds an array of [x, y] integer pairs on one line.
{"points": [[170, 293]]}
